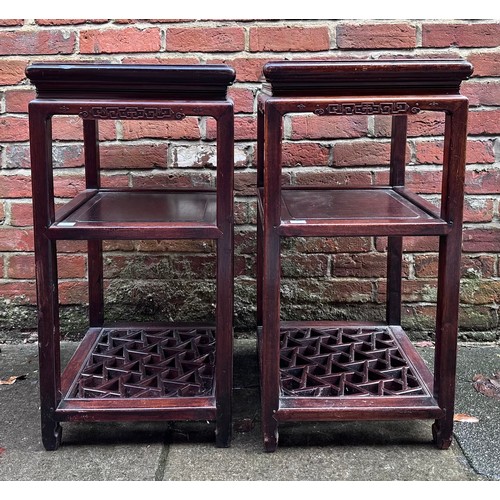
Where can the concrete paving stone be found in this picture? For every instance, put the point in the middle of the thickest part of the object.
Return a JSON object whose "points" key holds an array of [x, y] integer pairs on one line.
{"points": [[185, 451]]}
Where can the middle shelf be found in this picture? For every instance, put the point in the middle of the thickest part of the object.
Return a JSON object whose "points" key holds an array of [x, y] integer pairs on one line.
{"points": [[356, 211], [137, 214]]}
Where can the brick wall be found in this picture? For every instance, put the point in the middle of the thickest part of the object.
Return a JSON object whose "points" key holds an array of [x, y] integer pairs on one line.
{"points": [[322, 278]]}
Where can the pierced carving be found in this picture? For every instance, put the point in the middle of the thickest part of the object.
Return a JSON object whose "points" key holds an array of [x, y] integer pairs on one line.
{"points": [[149, 363], [367, 108], [349, 361], [132, 113]]}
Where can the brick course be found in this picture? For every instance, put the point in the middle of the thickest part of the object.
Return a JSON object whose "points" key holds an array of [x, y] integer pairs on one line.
{"points": [[316, 150]]}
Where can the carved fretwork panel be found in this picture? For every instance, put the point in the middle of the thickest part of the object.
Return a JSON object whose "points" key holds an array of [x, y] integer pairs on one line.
{"points": [[349, 361], [131, 113], [149, 363]]}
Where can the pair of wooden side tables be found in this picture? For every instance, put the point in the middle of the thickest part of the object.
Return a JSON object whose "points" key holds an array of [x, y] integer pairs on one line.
{"points": [[323, 370]]}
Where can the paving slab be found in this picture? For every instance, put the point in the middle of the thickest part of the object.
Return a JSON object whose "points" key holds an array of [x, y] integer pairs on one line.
{"points": [[185, 451]]}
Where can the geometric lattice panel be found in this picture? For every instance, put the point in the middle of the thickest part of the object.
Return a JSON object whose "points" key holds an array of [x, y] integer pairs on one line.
{"points": [[149, 363], [344, 361]]}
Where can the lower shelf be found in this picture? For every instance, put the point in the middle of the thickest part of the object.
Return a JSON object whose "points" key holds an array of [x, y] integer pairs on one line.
{"points": [[148, 370], [339, 371]]}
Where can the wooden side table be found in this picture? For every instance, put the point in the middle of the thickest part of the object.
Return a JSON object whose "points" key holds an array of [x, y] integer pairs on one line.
{"points": [[132, 371], [332, 370]]}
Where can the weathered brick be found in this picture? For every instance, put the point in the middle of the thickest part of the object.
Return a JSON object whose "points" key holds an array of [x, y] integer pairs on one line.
{"points": [[112, 41], [331, 290], [118, 156], [332, 245], [13, 129], [422, 124], [161, 59], [289, 38], [411, 290], [481, 239], [304, 154], [424, 181], [482, 122], [376, 36], [478, 209], [37, 42], [245, 129], [243, 99], [64, 22], [2, 212], [485, 93], [73, 292], [362, 153], [22, 266], [461, 35], [432, 152], [11, 70], [482, 266], [248, 69], [178, 246], [151, 129], [223, 39], [485, 63], [313, 127], [477, 291], [482, 181], [21, 214], [15, 186], [411, 244], [16, 100], [22, 292], [334, 178], [11, 22], [16, 240], [171, 179]]}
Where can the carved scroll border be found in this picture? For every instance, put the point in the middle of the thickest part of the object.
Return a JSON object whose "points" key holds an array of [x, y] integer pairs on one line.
{"points": [[367, 108], [131, 113]]}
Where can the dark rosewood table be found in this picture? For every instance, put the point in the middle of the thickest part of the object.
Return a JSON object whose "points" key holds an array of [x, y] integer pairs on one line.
{"points": [[334, 370], [132, 372]]}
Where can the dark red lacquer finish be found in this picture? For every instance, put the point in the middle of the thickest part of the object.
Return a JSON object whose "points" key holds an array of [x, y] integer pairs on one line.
{"points": [[133, 371], [357, 370]]}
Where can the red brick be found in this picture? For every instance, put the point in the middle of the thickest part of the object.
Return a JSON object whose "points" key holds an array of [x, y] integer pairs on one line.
{"points": [[411, 244], [223, 39], [412, 290], [342, 127], [172, 180], [484, 122], [15, 186], [364, 265], [1, 268], [422, 124], [243, 99], [481, 239], [2, 213], [63, 22], [36, 42], [296, 265], [485, 63], [16, 100], [347, 291], [362, 153], [161, 59], [334, 178], [248, 69], [70, 128], [289, 38], [11, 71], [461, 35], [376, 36], [13, 129], [68, 186], [304, 154], [181, 129], [485, 93], [23, 266], [245, 129], [245, 183], [333, 245], [178, 246], [21, 214], [426, 266], [23, 292], [16, 240], [480, 291], [111, 41], [133, 155], [73, 292], [111, 180], [11, 22], [424, 181], [478, 209], [485, 181], [432, 152]]}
